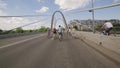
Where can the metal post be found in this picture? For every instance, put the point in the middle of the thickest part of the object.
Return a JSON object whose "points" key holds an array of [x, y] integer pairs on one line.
{"points": [[93, 20]]}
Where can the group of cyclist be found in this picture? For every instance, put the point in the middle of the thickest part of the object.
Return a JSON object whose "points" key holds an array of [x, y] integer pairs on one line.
{"points": [[58, 33]]}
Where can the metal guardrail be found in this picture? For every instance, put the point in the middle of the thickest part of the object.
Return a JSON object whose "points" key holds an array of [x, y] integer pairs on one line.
{"points": [[17, 35]]}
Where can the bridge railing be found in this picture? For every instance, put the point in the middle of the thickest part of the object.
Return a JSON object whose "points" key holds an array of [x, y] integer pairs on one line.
{"points": [[17, 35]]}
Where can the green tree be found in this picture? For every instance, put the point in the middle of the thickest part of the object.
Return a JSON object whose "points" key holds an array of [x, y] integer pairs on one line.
{"points": [[19, 30], [98, 28], [75, 27], [1, 31], [42, 29], [116, 27], [28, 31]]}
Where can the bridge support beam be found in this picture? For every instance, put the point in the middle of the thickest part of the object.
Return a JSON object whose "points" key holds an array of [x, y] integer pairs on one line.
{"points": [[64, 20]]}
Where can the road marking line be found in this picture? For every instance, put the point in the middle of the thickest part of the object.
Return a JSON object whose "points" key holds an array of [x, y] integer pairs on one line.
{"points": [[19, 42]]}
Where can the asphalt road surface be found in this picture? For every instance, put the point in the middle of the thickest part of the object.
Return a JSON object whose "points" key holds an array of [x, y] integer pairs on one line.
{"points": [[40, 52]]}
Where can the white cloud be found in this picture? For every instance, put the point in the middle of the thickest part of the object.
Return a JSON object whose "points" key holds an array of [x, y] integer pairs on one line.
{"points": [[14, 22], [72, 4], [3, 5], [43, 9], [116, 0], [2, 13], [34, 26], [10, 23], [41, 0]]}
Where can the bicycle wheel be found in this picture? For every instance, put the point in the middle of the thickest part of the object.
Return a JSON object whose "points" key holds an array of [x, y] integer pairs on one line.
{"points": [[60, 37]]}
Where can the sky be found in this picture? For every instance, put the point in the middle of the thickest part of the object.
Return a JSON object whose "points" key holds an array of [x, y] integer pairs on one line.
{"points": [[48, 7]]}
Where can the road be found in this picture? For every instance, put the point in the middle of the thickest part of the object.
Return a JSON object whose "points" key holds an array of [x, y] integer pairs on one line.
{"points": [[40, 52]]}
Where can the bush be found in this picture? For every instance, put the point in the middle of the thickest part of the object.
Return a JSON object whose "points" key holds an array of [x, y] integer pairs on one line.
{"points": [[1, 31], [19, 30], [42, 29], [75, 27], [98, 28]]}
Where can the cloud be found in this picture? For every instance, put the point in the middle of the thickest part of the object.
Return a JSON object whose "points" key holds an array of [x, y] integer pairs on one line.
{"points": [[3, 5], [71, 4], [10, 23], [41, 0], [14, 22], [34, 26], [43, 9], [2, 13], [116, 0]]}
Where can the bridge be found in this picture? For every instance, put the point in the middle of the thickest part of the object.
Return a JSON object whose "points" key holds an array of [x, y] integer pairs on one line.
{"points": [[80, 50]]}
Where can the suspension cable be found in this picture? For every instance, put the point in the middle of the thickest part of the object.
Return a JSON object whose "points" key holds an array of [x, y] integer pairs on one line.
{"points": [[97, 8], [24, 16]]}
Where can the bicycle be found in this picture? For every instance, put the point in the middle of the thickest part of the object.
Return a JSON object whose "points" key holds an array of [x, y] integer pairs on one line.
{"points": [[60, 36]]}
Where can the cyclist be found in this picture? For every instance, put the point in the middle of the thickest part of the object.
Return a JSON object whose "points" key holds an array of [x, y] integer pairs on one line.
{"points": [[107, 27], [60, 32], [69, 31], [54, 33]]}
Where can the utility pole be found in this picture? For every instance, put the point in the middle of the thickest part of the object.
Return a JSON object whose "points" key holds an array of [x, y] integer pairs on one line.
{"points": [[93, 19]]}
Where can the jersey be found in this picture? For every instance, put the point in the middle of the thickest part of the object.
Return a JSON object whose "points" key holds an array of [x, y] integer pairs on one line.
{"points": [[108, 25], [60, 29]]}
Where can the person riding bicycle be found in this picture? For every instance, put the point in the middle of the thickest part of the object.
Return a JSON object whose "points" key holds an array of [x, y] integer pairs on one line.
{"points": [[107, 27], [60, 31], [54, 33], [69, 31]]}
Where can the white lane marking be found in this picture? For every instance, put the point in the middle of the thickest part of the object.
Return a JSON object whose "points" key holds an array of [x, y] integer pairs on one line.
{"points": [[19, 42]]}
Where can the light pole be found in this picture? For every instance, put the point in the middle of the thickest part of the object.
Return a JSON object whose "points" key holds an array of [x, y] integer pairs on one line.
{"points": [[93, 19]]}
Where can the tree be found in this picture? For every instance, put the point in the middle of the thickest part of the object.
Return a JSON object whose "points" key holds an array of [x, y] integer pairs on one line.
{"points": [[42, 29], [98, 27], [28, 31], [19, 30], [1, 31], [75, 27]]}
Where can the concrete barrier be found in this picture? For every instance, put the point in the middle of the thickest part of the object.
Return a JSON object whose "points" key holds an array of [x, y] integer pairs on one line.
{"points": [[108, 46]]}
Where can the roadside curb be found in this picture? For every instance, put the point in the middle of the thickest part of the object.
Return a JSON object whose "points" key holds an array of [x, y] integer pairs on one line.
{"points": [[111, 55]]}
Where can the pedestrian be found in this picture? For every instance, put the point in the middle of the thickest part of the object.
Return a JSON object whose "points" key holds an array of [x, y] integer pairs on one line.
{"points": [[107, 28]]}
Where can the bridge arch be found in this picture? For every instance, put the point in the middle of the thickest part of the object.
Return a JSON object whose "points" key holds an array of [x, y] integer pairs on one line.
{"points": [[63, 17]]}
